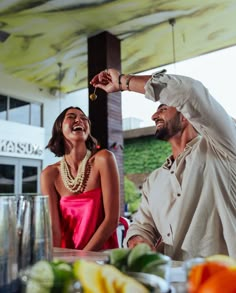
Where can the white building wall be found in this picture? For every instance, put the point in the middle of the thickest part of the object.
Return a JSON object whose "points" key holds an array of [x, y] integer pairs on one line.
{"points": [[21, 140], [52, 106], [131, 123]]}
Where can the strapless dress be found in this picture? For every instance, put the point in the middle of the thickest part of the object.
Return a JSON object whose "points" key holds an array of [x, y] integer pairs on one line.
{"points": [[81, 215]]}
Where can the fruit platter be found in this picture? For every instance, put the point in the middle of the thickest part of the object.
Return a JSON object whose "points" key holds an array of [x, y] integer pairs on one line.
{"points": [[137, 270]]}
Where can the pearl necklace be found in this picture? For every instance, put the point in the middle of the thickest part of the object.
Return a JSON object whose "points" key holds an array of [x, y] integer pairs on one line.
{"points": [[79, 182]]}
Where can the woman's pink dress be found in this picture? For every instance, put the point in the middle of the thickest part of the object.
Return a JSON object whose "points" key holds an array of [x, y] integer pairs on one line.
{"points": [[81, 215]]}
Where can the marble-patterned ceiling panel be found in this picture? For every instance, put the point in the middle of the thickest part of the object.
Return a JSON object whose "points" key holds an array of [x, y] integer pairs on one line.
{"points": [[47, 43]]}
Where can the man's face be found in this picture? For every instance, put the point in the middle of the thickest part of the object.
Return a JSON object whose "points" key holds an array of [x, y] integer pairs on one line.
{"points": [[168, 122]]}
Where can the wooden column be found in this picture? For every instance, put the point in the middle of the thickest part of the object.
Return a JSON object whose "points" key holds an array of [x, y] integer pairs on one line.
{"points": [[105, 112]]}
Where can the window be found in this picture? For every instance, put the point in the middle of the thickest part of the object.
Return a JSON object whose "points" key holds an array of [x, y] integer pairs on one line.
{"points": [[3, 107], [18, 175], [20, 111], [7, 175], [29, 180], [36, 114]]}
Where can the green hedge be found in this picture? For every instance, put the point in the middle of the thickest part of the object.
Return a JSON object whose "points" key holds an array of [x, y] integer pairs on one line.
{"points": [[144, 154]]}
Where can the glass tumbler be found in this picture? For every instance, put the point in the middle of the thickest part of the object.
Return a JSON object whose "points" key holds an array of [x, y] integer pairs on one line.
{"points": [[34, 229], [8, 245]]}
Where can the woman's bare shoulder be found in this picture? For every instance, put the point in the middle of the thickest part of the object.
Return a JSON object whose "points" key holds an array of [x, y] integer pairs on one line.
{"points": [[104, 154], [103, 158]]}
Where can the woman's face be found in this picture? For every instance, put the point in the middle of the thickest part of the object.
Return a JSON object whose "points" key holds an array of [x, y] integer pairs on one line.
{"points": [[75, 125]]}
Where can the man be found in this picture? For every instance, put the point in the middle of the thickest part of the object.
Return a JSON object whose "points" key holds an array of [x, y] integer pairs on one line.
{"points": [[188, 204]]}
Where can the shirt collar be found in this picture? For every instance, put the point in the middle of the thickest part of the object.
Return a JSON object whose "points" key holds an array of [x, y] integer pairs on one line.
{"points": [[170, 160]]}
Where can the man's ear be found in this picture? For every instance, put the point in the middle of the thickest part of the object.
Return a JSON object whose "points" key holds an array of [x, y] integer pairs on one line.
{"points": [[184, 120]]}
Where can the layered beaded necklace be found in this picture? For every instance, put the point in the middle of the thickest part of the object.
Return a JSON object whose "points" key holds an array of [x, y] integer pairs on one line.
{"points": [[79, 182]]}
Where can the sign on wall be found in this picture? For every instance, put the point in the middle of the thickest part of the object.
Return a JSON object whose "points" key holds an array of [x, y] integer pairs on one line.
{"points": [[23, 148], [19, 140]]}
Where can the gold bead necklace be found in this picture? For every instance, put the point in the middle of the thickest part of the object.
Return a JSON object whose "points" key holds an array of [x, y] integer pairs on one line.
{"points": [[79, 182]]}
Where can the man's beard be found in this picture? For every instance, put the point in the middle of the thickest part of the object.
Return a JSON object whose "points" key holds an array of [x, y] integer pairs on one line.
{"points": [[171, 128]]}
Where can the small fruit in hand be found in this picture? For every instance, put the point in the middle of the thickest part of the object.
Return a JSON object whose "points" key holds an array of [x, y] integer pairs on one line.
{"points": [[93, 97]]}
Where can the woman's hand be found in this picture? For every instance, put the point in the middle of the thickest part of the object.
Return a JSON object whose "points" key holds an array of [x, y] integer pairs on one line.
{"points": [[107, 80]]}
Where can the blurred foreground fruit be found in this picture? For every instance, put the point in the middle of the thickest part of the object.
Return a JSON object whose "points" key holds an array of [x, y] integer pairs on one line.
{"points": [[118, 258], [141, 259], [221, 282], [139, 250], [200, 273], [216, 275], [46, 277], [221, 258], [42, 273], [96, 278]]}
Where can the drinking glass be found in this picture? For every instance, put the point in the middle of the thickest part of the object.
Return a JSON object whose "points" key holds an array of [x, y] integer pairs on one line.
{"points": [[8, 245], [34, 229], [188, 264]]}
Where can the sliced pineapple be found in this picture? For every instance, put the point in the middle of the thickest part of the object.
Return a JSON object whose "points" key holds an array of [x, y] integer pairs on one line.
{"points": [[116, 281], [89, 275], [96, 278]]}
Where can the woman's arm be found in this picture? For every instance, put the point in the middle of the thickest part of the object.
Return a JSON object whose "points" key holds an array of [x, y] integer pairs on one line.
{"points": [[48, 188], [107, 165]]}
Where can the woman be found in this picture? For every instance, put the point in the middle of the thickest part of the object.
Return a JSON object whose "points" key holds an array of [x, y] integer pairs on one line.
{"points": [[83, 187]]}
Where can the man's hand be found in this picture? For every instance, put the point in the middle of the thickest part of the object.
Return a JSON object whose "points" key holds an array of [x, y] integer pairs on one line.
{"points": [[133, 241], [107, 80]]}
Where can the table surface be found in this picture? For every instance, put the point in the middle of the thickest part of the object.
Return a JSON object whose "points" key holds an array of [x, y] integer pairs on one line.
{"points": [[71, 255]]}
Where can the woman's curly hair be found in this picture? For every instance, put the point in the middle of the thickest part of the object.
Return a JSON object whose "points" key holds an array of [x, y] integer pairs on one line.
{"points": [[56, 143]]}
